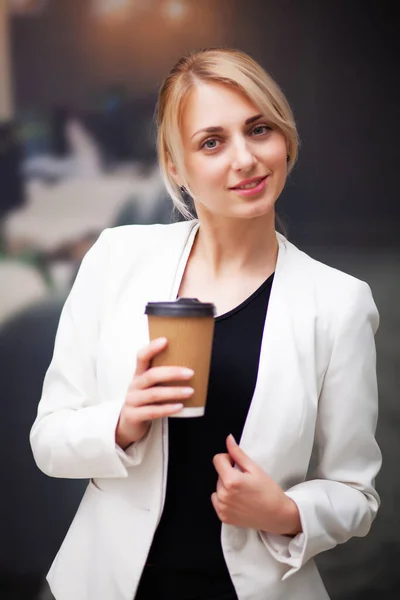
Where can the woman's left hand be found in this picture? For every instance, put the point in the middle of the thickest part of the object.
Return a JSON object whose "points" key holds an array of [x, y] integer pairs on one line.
{"points": [[248, 497]]}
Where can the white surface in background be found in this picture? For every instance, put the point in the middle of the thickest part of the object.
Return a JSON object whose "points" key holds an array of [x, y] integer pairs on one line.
{"points": [[84, 200], [83, 160], [20, 286], [62, 213]]}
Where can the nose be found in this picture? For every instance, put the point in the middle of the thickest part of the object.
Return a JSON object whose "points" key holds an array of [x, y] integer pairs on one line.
{"points": [[243, 158]]}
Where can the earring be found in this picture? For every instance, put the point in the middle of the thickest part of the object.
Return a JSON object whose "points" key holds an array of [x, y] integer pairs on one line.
{"points": [[183, 189]]}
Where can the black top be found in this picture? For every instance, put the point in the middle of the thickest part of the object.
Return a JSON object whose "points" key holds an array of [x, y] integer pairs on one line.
{"points": [[188, 535]]}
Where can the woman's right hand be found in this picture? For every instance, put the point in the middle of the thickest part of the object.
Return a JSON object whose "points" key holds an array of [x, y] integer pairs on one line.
{"points": [[146, 400]]}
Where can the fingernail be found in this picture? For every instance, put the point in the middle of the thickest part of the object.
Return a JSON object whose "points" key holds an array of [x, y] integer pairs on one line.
{"points": [[232, 439], [187, 391], [161, 341], [178, 407], [187, 372]]}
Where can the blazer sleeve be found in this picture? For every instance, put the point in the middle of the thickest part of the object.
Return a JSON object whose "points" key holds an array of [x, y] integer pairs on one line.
{"points": [[73, 435], [340, 501]]}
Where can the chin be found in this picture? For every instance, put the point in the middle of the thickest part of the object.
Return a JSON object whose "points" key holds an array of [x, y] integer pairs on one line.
{"points": [[254, 209], [249, 208]]}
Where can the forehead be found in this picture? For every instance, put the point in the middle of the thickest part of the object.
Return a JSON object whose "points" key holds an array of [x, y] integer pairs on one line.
{"points": [[215, 104]]}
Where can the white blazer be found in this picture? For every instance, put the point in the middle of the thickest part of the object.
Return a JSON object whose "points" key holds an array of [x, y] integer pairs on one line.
{"points": [[316, 387]]}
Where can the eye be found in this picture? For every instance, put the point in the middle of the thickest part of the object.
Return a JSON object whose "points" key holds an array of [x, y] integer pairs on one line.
{"points": [[260, 129], [210, 144]]}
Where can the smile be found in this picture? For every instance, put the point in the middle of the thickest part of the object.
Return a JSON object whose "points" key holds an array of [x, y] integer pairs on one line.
{"points": [[248, 186], [249, 183], [252, 186]]}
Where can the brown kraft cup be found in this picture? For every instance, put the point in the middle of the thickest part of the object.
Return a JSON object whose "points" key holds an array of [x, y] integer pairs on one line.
{"points": [[188, 326]]}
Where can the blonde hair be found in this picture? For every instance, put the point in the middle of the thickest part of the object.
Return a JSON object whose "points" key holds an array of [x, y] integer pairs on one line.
{"points": [[219, 65]]}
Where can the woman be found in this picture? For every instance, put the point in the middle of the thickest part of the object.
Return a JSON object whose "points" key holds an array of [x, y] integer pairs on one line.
{"points": [[293, 368]]}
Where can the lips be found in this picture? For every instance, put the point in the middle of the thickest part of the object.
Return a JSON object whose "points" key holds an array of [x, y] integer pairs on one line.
{"points": [[248, 184]]}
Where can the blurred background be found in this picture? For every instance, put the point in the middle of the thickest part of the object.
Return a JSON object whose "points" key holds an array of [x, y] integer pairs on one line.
{"points": [[78, 83]]}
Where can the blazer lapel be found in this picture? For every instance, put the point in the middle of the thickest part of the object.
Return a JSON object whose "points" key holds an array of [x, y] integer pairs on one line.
{"points": [[286, 376]]}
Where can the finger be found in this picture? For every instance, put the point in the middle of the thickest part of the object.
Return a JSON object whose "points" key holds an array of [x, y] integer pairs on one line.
{"points": [[221, 490], [155, 411], [146, 354], [215, 503], [223, 466], [157, 375], [239, 457], [159, 394]]}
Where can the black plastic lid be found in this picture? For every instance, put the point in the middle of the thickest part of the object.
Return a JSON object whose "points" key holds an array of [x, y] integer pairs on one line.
{"points": [[183, 307]]}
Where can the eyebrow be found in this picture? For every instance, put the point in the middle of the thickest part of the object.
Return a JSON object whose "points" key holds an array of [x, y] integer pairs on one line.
{"points": [[214, 129]]}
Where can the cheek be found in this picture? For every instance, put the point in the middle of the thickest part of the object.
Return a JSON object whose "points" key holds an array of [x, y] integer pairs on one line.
{"points": [[206, 171], [278, 164], [275, 152]]}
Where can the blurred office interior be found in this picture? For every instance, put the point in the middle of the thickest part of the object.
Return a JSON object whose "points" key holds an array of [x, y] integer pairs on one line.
{"points": [[78, 85]]}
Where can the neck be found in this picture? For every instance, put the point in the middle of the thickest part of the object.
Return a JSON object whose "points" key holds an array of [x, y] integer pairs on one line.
{"points": [[230, 246]]}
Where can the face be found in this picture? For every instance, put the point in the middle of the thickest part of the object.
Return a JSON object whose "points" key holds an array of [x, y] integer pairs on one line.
{"points": [[235, 163]]}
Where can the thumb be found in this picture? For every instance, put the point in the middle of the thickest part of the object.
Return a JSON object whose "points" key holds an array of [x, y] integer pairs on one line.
{"points": [[238, 455]]}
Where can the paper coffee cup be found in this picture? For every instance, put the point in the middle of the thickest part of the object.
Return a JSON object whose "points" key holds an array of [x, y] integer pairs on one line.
{"points": [[188, 326]]}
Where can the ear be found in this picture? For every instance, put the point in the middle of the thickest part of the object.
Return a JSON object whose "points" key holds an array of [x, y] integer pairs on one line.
{"points": [[173, 172]]}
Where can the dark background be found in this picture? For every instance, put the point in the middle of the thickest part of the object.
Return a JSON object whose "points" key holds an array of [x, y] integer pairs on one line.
{"points": [[337, 62]]}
